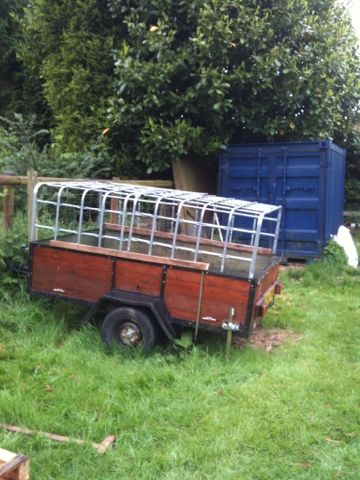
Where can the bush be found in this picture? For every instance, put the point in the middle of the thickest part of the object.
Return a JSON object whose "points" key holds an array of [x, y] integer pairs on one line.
{"points": [[352, 187], [334, 254], [96, 162], [23, 148], [13, 254]]}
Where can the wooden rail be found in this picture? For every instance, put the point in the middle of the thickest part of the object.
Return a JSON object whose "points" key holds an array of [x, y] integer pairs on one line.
{"points": [[10, 182], [13, 180]]}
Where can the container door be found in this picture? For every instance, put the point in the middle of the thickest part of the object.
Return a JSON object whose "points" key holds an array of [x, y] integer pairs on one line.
{"points": [[244, 174], [299, 188], [335, 179], [291, 175]]}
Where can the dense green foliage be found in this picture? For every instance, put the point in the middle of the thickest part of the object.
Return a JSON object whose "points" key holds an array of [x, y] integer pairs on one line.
{"points": [[288, 414], [335, 254], [23, 147], [353, 172], [20, 141], [13, 255], [192, 76], [11, 96], [177, 79], [67, 47]]}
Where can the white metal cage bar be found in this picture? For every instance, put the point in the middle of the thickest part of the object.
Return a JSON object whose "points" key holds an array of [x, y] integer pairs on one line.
{"points": [[157, 221]]}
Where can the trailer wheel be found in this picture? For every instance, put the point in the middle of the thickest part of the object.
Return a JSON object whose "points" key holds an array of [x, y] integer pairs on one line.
{"points": [[129, 327]]}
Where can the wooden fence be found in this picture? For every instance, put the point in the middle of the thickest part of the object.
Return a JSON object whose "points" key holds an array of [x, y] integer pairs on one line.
{"points": [[10, 182]]}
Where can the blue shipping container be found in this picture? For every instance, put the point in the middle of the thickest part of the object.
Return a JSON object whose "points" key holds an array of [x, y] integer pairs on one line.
{"points": [[306, 178]]}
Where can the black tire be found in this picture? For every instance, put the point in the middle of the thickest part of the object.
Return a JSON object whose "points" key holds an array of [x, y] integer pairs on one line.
{"points": [[127, 327]]}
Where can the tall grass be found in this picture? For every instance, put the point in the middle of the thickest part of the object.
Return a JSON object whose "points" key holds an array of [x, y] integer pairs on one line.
{"points": [[289, 414]]}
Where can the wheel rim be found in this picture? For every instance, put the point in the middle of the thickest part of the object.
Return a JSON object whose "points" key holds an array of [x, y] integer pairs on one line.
{"points": [[129, 333]]}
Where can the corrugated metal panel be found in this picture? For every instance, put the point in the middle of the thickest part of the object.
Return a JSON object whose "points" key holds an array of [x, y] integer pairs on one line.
{"points": [[306, 178]]}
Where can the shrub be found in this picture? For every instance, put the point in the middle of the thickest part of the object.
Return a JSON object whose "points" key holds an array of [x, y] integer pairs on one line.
{"points": [[13, 254], [23, 147], [334, 254]]}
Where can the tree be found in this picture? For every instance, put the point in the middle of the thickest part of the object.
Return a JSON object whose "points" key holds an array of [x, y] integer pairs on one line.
{"points": [[10, 69], [66, 49], [192, 76]]}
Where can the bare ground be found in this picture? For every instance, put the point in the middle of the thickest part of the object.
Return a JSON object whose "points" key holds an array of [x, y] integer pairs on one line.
{"points": [[267, 338]]}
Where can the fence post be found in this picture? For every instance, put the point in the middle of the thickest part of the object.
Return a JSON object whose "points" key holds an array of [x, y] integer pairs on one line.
{"points": [[32, 178], [114, 206], [8, 204]]}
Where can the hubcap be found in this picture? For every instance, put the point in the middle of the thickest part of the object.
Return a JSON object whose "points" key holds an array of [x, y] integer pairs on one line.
{"points": [[130, 334]]}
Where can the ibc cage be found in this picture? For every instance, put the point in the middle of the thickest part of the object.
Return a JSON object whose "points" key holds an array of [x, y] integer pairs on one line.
{"points": [[226, 233]]}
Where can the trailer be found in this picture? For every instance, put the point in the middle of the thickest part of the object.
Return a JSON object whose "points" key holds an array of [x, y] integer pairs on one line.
{"points": [[151, 261]]}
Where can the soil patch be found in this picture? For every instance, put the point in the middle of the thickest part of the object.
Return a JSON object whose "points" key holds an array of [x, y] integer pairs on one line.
{"points": [[267, 338], [292, 266]]}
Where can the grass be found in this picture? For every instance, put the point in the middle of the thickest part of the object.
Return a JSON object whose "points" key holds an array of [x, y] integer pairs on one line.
{"points": [[289, 414]]}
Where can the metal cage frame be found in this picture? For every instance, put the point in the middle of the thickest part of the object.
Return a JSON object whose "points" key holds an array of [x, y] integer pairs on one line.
{"points": [[170, 218]]}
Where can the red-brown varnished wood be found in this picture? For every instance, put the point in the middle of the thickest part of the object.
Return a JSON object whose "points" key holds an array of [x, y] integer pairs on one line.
{"points": [[182, 293], [130, 255], [219, 294], [70, 274], [267, 280], [87, 273], [138, 277], [13, 466]]}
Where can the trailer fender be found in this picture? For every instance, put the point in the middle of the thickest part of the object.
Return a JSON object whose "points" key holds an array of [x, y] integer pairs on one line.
{"points": [[152, 303]]}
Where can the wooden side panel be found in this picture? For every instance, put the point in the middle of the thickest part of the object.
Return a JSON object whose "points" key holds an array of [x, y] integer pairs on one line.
{"points": [[267, 282], [182, 293], [70, 274], [269, 278], [138, 277], [219, 294]]}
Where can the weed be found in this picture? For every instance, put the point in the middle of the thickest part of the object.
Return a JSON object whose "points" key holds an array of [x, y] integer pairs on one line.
{"points": [[335, 254], [13, 255]]}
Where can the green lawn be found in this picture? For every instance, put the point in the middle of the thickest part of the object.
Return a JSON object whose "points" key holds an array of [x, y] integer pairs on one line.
{"points": [[293, 413]]}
